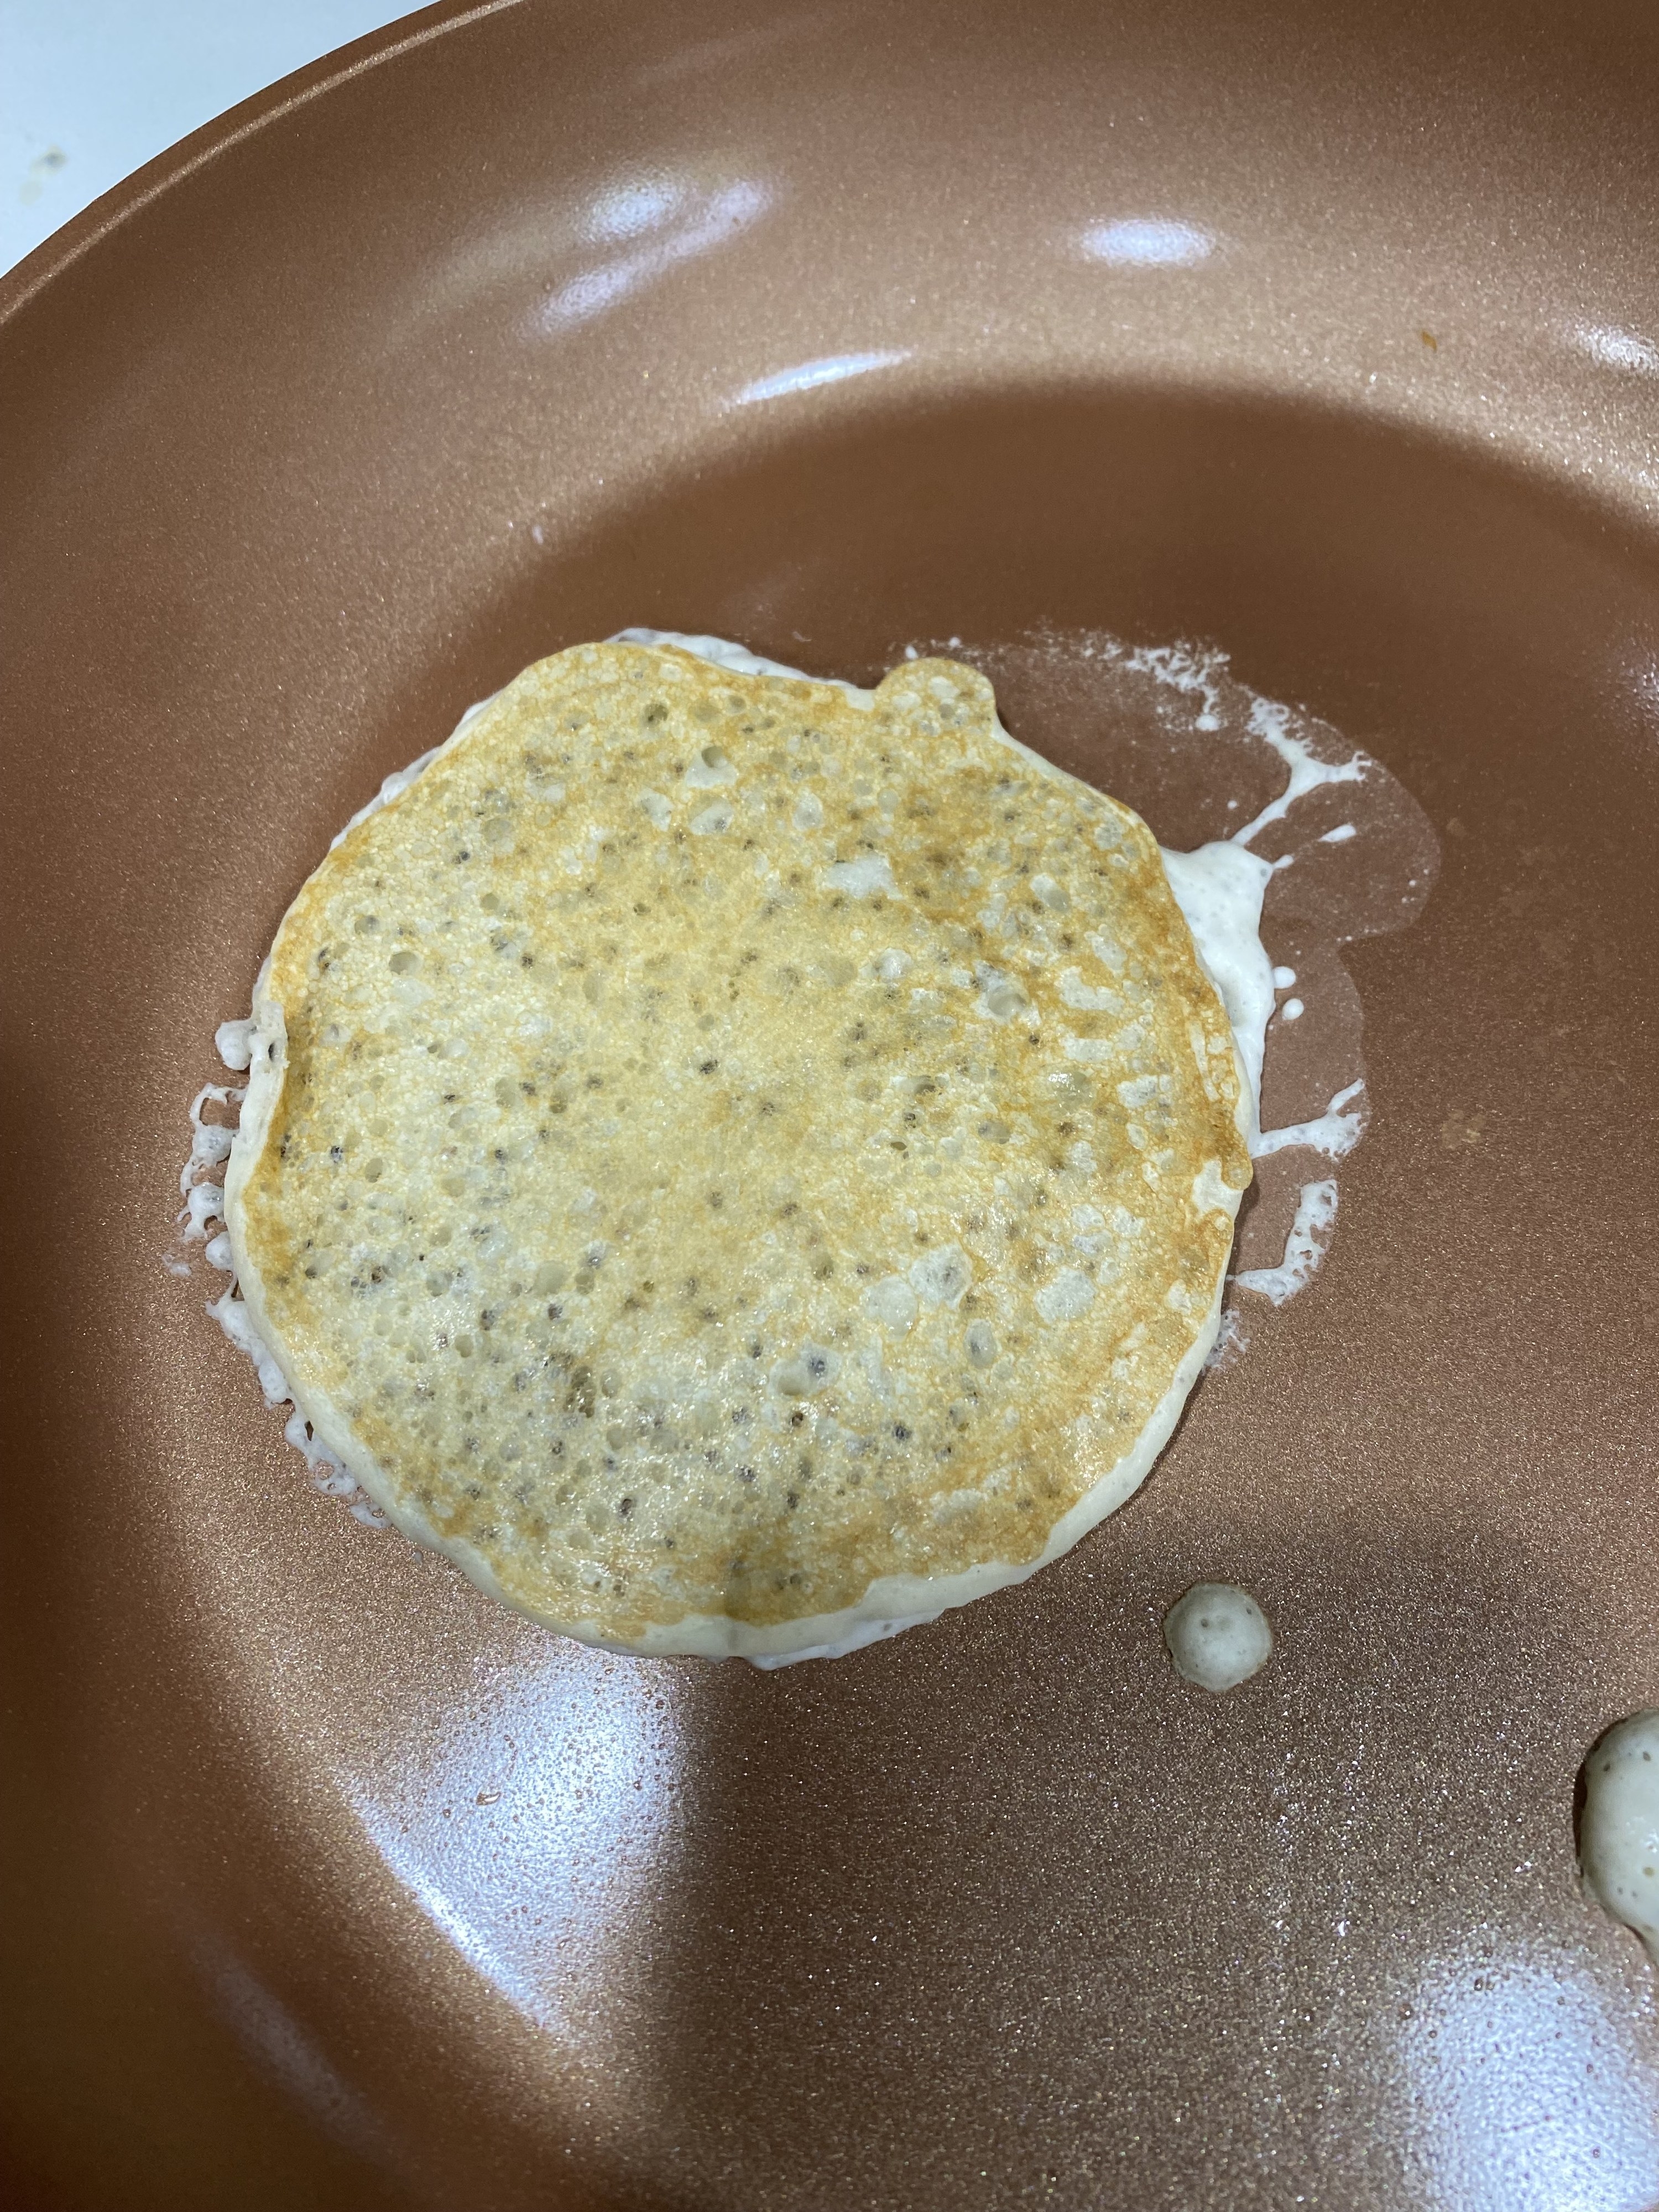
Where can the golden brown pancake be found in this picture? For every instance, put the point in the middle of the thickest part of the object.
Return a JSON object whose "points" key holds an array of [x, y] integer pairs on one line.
{"points": [[739, 1165]]}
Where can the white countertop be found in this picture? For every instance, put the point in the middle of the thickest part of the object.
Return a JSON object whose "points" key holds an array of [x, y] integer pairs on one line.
{"points": [[92, 90]]}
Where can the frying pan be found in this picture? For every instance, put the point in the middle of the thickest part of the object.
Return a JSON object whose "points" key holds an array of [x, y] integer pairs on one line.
{"points": [[1326, 338]]}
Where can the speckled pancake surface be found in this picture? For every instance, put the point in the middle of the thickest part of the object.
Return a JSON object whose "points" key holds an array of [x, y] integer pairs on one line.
{"points": [[739, 1164]]}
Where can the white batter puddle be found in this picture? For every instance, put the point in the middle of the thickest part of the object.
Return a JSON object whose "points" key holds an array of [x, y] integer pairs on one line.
{"points": [[1342, 850]]}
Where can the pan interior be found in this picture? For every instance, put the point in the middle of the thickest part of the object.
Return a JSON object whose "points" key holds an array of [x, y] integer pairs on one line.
{"points": [[891, 1882], [1324, 340]]}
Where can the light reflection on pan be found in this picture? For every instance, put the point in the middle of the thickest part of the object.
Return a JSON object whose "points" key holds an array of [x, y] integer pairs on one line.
{"points": [[532, 1831]]}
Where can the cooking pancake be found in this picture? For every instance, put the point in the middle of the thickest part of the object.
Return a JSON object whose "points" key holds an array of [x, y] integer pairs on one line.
{"points": [[739, 1164]]}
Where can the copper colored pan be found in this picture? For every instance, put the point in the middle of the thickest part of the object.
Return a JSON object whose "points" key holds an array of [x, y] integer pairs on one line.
{"points": [[329, 1884]]}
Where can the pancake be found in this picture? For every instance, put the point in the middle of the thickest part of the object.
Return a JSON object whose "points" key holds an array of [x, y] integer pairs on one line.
{"points": [[739, 1164]]}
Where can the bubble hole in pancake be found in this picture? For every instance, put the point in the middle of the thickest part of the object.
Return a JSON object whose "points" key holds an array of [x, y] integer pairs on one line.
{"points": [[739, 1164]]}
